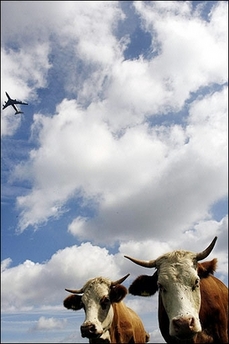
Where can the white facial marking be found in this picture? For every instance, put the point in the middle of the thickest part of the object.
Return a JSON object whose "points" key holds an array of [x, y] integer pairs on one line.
{"points": [[98, 309], [178, 284]]}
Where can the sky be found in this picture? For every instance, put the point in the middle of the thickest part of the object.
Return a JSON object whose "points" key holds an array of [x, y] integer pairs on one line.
{"points": [[121, 150]]}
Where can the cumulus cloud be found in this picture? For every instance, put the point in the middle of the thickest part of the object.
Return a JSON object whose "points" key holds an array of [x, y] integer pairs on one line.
{"points": [[48, 324], [44, 39], [182, 36], [5, 264], [31, 284], [109, 153], [23, 72], [141, 171]]}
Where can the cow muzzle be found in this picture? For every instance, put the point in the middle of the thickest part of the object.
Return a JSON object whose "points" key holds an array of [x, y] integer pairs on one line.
{"points": [[89, 331], [184, 327]]}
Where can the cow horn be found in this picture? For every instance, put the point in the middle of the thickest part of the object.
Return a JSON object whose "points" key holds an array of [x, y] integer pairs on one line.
{"points": [[75, 291], [146, 264], [119, 281], [207, 251]]}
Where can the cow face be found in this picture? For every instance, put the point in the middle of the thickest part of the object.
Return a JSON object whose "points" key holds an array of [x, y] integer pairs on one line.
{"points": [[98, 295], [178, 283], [179, 288]]}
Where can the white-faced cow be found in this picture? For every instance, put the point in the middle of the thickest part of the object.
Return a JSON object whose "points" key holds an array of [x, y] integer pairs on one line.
{"points": [[107, 318], [193, 304]]}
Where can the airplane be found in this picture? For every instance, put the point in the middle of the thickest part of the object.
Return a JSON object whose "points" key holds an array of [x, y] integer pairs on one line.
{"points": [[13, 102]]}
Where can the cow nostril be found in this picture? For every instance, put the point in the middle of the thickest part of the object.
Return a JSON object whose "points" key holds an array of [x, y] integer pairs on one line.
{"points": [[88, 330], [92, 329], [191, 322], [176, 324]]}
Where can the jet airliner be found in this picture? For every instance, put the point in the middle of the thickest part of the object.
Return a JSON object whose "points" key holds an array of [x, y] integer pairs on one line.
{"points": [[13, 102]]}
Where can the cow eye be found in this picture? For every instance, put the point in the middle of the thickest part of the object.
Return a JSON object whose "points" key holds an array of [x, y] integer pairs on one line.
{"points": [[104, 302], [160, 287], [196, 284]]}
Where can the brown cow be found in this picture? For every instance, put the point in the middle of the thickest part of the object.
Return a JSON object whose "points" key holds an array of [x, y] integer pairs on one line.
{"points": [[193, 304], [108, 319]]}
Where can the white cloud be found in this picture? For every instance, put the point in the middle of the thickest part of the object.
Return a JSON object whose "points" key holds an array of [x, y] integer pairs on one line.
{"points": [[5, 264], [77, 226], [138, 180], [47, 324], [33, 285], [109, 153], [23, 72], [27, 49], [193, 52]]}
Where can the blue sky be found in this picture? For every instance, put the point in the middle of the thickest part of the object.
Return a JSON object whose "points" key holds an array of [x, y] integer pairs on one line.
{"points": [[121, 150]]}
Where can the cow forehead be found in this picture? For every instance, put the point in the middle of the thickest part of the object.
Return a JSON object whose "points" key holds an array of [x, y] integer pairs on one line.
{"points": [[97, 287], [176, 257], [176, 265], [97, 281]]}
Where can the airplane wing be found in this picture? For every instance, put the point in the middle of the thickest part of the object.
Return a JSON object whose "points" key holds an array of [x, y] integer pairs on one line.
{"points": [[19, 102], [17, 111], [15, 108], [7, 95]]}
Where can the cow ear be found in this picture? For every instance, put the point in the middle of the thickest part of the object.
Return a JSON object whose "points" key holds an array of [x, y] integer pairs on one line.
{"points": [[73, 302], [144, 285], [206, 268], [117, 293]]}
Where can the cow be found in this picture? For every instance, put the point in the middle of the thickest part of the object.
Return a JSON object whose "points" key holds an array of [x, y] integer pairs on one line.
{"points": [[107, 318], [192, 303]]}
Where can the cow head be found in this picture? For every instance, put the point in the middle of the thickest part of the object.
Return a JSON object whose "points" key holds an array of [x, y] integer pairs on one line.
{"points": [[97, 297], [178, 282]]}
